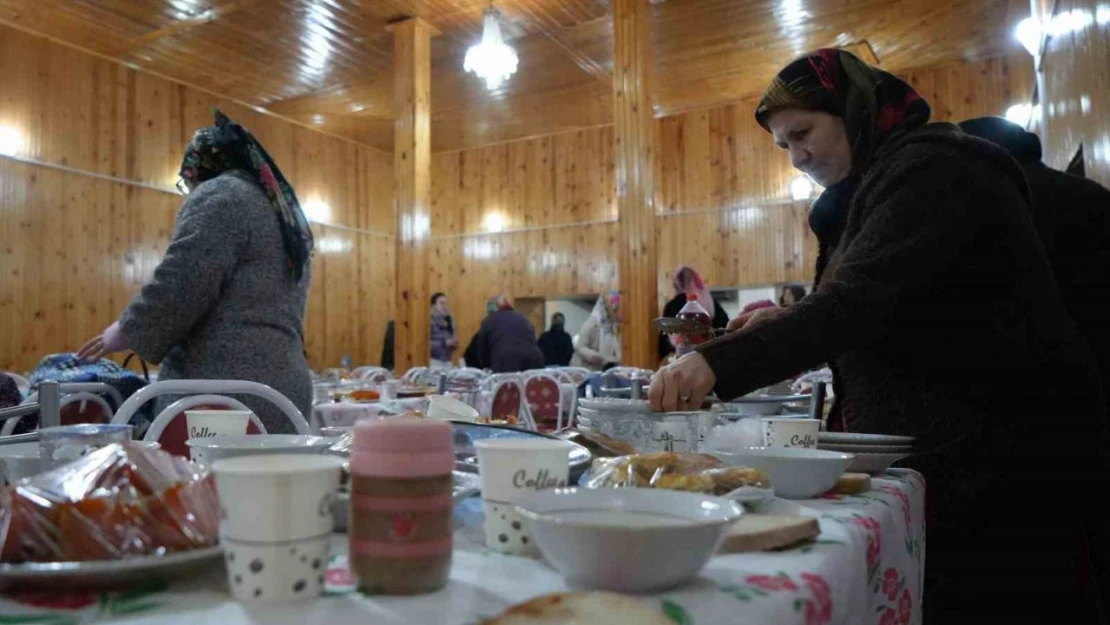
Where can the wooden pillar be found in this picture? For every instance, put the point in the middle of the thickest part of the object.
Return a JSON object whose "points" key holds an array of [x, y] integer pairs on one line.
{"points": [[636, 146], [412, 155]]}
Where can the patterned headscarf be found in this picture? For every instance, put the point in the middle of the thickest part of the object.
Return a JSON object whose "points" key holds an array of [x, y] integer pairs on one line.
{"points": [[498, 303], [873, 103], [227, 146]]}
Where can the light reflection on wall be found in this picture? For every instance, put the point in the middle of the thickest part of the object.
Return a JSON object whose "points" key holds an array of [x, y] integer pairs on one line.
{"points": [[333, 245], [11, 141], [480, 248]]}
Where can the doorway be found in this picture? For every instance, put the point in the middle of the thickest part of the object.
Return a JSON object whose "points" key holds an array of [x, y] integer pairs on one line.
{"points": [[532, 308]]}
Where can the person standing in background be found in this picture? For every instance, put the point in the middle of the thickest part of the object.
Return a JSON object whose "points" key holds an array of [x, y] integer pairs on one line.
{"points": [[1072, 217], [556, 344], [599, 341], [791, 294], [443, 341], [228, 300], [506, 342], [686, 280]]}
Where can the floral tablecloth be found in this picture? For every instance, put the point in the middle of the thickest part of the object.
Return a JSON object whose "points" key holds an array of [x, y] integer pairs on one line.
{"points": [[866, 567]]}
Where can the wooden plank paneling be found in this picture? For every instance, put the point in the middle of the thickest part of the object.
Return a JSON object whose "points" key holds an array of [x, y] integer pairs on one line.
{"points": [[75, 248], [1075, 89], [412, 159]]}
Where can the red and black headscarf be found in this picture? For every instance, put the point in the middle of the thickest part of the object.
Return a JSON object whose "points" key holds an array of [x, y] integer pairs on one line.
{"points": [[873, 103]]}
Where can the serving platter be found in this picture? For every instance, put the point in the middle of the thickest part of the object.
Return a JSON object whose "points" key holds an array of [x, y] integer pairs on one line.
{"points": [[106, 574]]}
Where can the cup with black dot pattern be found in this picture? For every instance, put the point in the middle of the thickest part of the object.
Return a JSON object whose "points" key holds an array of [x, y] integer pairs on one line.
{"points": [[276, 524], [510, 468]]}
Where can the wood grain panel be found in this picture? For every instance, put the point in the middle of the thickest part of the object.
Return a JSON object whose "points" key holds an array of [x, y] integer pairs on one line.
{"points": [[76, 248], [1075, 89], [412, 157]]}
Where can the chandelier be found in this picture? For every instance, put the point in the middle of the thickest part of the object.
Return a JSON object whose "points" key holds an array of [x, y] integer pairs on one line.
{"points": [[491, 59]]}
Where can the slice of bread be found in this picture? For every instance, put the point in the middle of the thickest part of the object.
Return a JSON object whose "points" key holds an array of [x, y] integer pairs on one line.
{"points": [[852, 484], [583, 608], [764, 532]]}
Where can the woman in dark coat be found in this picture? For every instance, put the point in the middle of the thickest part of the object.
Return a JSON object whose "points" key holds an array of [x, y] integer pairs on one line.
{"points": [[506, 342], [556, 344], [935, 307]]}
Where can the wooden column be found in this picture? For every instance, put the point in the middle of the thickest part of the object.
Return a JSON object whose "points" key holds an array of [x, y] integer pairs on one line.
{"points": [[412, 155], [636, 146]]}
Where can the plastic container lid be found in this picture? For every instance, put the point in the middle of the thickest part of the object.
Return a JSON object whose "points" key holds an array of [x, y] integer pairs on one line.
{"points": [[401, 447]]}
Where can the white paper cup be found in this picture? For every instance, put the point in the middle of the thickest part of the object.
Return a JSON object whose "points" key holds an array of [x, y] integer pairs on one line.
{"points": [[209, 423], [445, 408], [508, 469], [275, 498], [276, 572], [779, 432], [676, 432]]}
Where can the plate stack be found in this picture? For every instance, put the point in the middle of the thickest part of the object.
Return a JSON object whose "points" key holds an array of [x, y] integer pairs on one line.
{"points": [[874, 452]]}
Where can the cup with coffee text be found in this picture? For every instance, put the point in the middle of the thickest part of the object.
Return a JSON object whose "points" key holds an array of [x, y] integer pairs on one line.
{"points": [[211, 423], [510, 468], [787, 432]]}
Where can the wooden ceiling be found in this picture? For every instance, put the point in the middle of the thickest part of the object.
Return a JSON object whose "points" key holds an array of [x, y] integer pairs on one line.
{"points": [[328, 62]]}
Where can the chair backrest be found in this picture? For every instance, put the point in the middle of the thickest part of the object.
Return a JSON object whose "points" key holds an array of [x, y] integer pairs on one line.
{"points": [[215, 387], [415, 375], [22, 383], [577, 374], [74, 408], [544, 400], [373, 375], [169, 428], [506, 400]]}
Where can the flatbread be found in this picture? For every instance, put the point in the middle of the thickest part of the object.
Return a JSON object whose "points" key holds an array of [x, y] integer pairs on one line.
{"points": [[759, 532], [583, 608]]}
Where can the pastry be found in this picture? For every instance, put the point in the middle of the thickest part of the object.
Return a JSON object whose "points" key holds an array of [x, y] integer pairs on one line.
{"points": [[579, 608]]}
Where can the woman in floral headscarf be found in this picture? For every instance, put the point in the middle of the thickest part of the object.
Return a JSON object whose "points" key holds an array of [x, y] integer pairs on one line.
{"points": [[599, 341], [935, 307], [228, 299]]}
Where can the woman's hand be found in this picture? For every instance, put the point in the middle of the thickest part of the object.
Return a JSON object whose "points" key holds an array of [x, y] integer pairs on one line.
{"points": [[682, 385], [109, 342], [754, 317]]}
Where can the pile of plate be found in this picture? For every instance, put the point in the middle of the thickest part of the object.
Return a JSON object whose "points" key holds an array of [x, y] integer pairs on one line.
{"points": [[874, 452]]}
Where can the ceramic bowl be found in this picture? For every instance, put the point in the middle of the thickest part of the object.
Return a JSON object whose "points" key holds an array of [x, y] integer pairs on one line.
{"points": [[627, 539], [218, 447], [443, 408], [796, 473]]}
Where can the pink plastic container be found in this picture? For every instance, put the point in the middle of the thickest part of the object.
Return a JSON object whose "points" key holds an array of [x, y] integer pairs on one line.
{"points": [[400, 527]]}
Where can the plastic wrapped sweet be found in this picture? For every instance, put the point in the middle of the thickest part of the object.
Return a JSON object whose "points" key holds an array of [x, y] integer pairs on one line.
{"points": [[124, 500], [698, 473]]}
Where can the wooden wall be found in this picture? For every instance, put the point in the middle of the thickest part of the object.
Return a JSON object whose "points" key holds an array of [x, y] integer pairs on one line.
{"points": [[1074, 85], [722, 200], [75, 247]]}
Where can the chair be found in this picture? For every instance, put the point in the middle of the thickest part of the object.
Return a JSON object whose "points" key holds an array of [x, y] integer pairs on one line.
{"points": [[415, 376], [211, 391], [171, 433], [577, 375], [506, 401], [80, 407], [544, 400], [372, 375]]}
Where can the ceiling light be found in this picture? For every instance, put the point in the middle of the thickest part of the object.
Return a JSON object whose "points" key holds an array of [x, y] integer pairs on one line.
{"points": [[1028, 32], [491, 59], [801, 188], [11, 140], [1019, 114], [494, 222]]}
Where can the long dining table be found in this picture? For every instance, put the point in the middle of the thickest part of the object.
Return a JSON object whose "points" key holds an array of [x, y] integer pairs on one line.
{"points": [[865, 567]]}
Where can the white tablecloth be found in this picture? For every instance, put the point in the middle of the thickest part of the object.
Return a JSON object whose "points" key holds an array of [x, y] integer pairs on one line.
{"points": [[865, 568]]}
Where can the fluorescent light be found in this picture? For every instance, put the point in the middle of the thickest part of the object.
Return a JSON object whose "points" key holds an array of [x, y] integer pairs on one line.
{"points": [[317, 210], [1028, 32], [1019, 114], [801, 188], [494, 222], [11, 141]]}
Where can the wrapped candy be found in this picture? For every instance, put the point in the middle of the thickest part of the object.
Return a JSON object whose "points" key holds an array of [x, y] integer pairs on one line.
{"points": [[123, 500], [689, 472]]}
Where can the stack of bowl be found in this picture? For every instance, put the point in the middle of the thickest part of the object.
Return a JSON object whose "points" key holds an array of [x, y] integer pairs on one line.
{"points": [[873, 452], [633, 421]]}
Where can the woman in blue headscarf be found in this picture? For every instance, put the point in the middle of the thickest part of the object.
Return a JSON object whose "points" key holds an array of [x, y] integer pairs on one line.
{"points": [[228, 299]]}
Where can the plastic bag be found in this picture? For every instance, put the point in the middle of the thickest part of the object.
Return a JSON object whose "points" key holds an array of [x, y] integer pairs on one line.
{"points": [[697, 473], [120, 501]]}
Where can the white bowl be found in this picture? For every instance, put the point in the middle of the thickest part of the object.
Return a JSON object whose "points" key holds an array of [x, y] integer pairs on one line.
{"points": [[627, 539], [443, 408], [875, 463], [796, 473], [217, 447]]}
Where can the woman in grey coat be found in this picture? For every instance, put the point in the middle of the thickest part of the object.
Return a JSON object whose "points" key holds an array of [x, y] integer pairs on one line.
{"points": [[228, 299]]}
